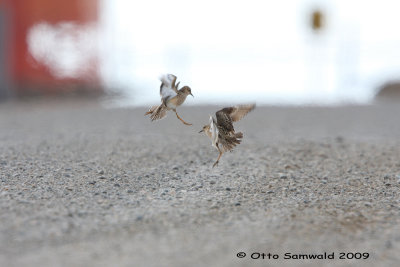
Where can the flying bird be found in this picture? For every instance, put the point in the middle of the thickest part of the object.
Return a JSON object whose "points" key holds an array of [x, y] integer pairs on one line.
{"points": [[221, 131], [171, 98]]}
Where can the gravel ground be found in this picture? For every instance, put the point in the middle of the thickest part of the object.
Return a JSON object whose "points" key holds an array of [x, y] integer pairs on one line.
{"points": [[81, 185]]}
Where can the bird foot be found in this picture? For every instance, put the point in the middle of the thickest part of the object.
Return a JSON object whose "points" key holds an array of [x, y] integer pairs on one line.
{"points": [[215, 164], [186, 123]]}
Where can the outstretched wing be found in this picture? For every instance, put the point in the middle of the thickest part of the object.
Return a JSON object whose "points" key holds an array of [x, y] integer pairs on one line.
{"points": [[238, 112], [168, 88], [226, 116]]}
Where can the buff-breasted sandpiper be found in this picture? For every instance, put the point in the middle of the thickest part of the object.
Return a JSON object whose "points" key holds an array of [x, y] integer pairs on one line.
{"points": [[221, 131], [171, 98]]}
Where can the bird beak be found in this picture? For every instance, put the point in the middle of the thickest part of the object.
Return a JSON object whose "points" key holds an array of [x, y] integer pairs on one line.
{"points": [[201, 131], [191, 94]]}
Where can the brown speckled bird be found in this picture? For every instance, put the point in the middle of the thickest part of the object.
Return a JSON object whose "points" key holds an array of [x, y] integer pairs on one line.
{"points": [[171, 98], [221, 131]]}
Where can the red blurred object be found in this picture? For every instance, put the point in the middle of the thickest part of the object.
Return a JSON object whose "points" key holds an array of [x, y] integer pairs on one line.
{"points": [[27, 74]]}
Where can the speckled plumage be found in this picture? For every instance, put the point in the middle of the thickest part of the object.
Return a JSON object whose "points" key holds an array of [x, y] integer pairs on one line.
{"points": [[221, 131]]}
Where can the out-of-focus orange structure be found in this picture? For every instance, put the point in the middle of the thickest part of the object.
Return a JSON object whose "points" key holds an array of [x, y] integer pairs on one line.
{"points": [[22, 72]]}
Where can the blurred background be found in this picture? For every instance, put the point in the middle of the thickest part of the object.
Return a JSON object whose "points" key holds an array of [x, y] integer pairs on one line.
{"points": [[282, 52]]}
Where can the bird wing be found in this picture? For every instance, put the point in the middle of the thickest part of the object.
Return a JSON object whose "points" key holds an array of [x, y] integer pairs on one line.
{"points": [[228, 139], [168, 88], [214, 132], [224, 120], [236, 113]]}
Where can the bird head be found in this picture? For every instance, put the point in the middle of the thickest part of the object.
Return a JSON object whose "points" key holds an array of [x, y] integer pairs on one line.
{"points": [[186, 90], [206, 128]]}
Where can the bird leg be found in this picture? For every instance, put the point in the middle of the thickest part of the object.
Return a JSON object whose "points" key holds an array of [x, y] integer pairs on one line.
{"points": [[219, 156], [184, 122]]}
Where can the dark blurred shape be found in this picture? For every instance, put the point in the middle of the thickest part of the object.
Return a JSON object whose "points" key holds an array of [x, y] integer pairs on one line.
{"points": [[390, 91], [49, 47], [317, 20]]}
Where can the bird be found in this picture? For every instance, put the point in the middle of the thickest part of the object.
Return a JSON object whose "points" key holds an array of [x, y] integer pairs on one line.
{"points": [[171, 98], [221, 131]]}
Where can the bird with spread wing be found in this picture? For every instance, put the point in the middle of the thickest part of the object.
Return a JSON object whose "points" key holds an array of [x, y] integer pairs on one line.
{"points": [[171, 98], [221, 131]]}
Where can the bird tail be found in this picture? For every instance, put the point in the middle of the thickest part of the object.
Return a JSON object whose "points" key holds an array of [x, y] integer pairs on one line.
{"points": [[237, 138], [157, 112], [239, 135], [229, 142]]}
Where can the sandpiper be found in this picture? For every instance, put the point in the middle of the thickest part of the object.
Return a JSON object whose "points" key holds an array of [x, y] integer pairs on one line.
{"points": [[171, 98], [221, 131]]}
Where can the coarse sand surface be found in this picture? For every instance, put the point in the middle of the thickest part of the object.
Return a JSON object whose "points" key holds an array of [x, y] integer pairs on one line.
{"points": [[82, 185]]}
